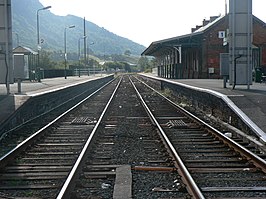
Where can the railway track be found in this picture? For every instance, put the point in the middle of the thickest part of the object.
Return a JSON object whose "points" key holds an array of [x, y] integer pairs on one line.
{"points": [[11, 138], [112, 147], [128, 159], [38, 166], [219, 166]]}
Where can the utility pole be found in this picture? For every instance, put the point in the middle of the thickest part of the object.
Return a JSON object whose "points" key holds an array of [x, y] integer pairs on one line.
{"points": [[225, 7], [6, 62], [85, 45]]}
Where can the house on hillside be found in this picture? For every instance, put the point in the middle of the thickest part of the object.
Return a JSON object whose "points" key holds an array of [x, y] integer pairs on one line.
{"points": [[197, 55]]}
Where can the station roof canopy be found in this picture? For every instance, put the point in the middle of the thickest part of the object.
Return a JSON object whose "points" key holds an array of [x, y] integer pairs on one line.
{"points": [[24, 50], [158, 48]]}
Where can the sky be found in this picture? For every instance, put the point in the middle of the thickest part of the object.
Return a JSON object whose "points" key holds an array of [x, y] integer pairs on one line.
{"points": [[145, 21]]}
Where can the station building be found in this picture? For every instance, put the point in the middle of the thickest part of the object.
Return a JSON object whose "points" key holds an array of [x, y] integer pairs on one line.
{"points": [[197, 55], [25, 61]]}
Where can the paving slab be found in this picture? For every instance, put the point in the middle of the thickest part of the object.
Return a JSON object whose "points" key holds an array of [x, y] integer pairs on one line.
{"points": [[123, 183]]}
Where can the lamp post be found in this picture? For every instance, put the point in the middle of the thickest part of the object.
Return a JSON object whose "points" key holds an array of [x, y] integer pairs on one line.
{"points": [[38, 36], [17, 36], [89, 56], [79, 51], [66, 48]]}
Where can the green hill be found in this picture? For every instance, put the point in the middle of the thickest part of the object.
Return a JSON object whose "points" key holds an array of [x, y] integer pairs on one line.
{"points": [[24, 16]]}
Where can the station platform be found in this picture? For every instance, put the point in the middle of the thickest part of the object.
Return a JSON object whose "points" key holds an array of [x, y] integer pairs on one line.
{"points": [[249, 104], [10, 103]]}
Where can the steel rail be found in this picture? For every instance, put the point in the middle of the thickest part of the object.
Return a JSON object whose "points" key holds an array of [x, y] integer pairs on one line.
{"points": [[4, 160], [65, 192], [192, 187], [256, 160], [38, 116]]}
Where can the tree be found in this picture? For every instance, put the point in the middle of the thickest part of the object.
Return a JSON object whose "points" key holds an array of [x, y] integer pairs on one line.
{"points": [[45, 61], [127, 67], [144, 63], [111, 65], [127, 52], [117, 65]]}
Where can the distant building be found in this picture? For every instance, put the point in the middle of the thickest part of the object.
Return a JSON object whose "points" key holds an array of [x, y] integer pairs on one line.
{"points": [[197, 55]]}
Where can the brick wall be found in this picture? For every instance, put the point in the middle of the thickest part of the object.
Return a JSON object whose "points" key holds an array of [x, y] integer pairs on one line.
{"points": [[259, 39], [213, 46]]}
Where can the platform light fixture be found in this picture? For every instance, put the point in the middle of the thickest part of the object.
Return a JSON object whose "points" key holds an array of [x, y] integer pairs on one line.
{"points": [[79, 54], [90, 44], [38, 35], [65, 56]]}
